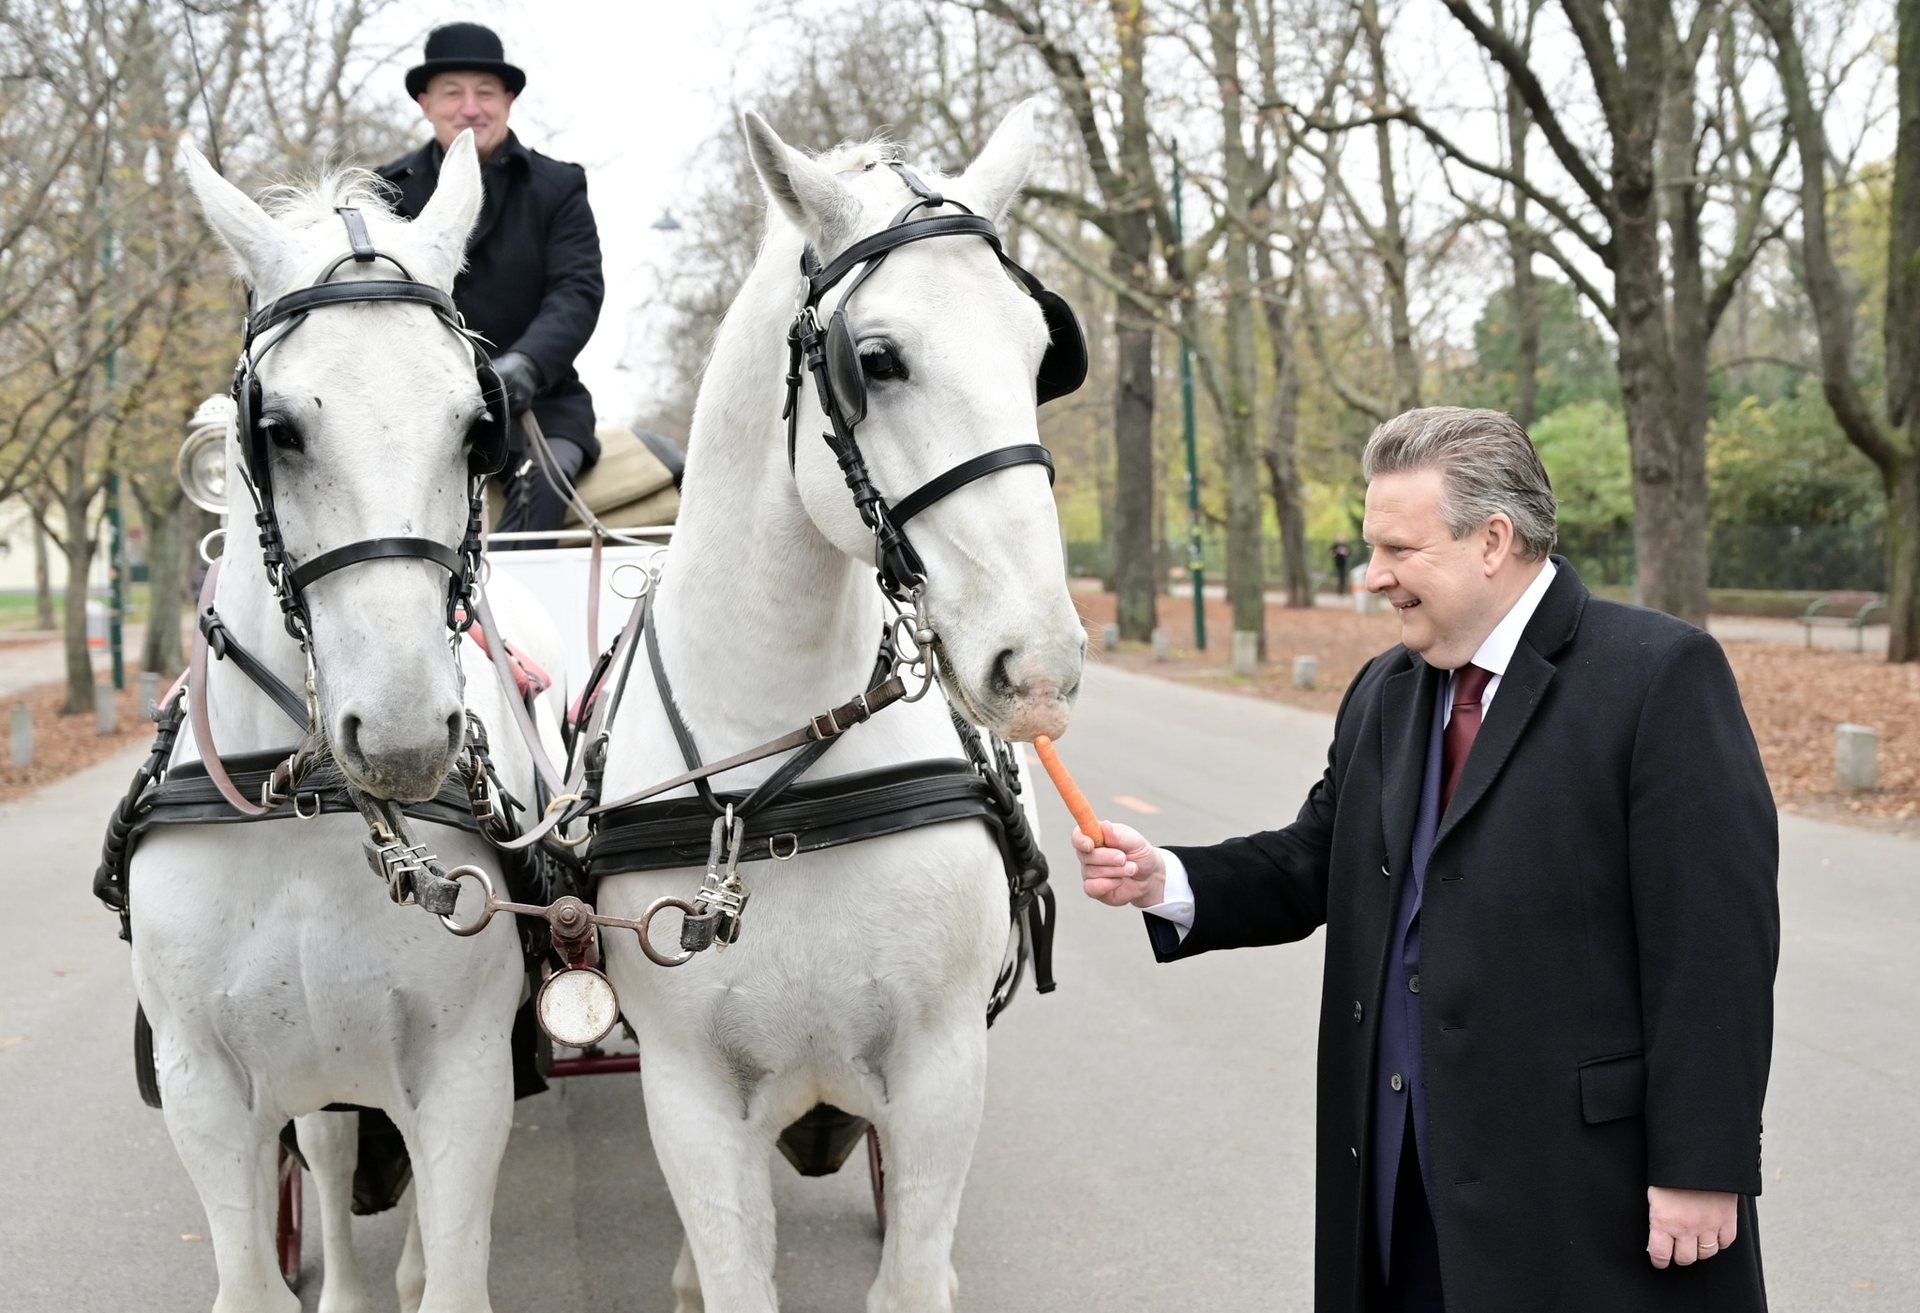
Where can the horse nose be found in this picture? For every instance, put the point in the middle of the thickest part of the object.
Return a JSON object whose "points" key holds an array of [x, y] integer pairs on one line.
{"points": [[1033, 695], [382, 759]]}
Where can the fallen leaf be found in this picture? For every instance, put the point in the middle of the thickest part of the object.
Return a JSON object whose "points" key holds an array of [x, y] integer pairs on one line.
{"points": [[1862, 1285], [188, 1235], [12, 1042], [1140, 805]]}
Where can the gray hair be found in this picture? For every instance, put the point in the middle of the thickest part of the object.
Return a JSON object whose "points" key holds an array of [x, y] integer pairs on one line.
{"points": [[1487, 466]]}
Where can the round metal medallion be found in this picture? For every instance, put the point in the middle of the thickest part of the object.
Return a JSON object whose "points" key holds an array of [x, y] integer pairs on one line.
{"points": [[577, 1007]]}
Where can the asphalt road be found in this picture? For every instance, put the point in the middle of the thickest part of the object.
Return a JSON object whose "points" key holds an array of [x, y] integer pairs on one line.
{"points": [[1148, 1132]]}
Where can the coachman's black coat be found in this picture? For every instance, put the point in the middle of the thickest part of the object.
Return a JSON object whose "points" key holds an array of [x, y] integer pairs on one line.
{"points": [[532, 282], [1599, 934]]}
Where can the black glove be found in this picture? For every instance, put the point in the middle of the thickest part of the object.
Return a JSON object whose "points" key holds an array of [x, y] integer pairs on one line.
{"points": [[522, 379]]}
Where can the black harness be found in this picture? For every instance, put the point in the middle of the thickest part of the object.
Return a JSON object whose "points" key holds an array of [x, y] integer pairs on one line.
{"points": [[486, 444], [187, 795], [784, 816], [831, 354]]}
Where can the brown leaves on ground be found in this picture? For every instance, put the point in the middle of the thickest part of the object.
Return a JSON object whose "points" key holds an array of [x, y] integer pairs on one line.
{"points": [[65, 744], [1794, 697]]}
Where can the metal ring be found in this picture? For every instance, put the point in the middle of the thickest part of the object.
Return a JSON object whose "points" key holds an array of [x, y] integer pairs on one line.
{"points": [[304, 815], [555, 834], [789, 854], [220, 533], [644, 927], [487, 909], [646, 577]]}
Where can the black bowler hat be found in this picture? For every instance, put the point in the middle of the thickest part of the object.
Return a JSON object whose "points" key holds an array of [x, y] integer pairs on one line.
{"points": [[464, 48]]}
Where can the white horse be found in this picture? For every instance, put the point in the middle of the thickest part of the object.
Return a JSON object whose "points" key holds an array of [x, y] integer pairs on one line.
{"points": [[277, 975], [863, 972]]}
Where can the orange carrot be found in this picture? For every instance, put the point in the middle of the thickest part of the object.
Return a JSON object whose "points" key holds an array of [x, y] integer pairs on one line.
{"points": [[1083, 813]]}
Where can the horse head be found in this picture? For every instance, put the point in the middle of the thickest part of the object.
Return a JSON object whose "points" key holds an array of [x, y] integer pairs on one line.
{"points": [[952, 355], [366, 409]]}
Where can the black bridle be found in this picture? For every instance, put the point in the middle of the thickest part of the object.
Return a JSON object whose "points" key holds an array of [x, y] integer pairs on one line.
{"points": [[487, 443], [831, 355]]}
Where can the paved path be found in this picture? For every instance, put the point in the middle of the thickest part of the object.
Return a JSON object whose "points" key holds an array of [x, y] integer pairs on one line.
{"points": [[1728, 628], [29, 660], [1148, 1136]]}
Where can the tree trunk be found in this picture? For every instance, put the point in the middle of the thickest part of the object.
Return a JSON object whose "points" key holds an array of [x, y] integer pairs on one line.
{"points": [[78, 549], [42, 575], [1246, 581], [1689, 330], [1283, 430], [1903, 552], [1820, 275], [1133, 555], [169, 552], [1526, 292], [1669, 489], [1135, 568], [1393, 245]]}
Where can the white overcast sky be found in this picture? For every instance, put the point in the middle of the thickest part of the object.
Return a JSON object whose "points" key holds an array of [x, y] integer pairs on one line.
{"points": [[631, 91]]}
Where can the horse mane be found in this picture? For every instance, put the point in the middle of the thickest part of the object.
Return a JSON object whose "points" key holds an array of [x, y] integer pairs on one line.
{"points": [[302, 203], [858, 156]]}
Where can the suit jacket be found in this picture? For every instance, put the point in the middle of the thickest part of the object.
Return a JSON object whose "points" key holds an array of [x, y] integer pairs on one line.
{"points": [[532, 282], [1600, 928]]}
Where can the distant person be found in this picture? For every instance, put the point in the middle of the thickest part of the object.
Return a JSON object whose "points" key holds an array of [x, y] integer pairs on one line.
{"points": [[532, 285], [1545, 856], [1342, 561]]}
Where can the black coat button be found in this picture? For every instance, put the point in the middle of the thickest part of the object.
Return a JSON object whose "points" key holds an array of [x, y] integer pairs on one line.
{"points": [[1396, 1082], [1358, 1012], [1413, 983]]}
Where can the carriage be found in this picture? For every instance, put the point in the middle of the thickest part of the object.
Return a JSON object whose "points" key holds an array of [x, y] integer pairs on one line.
{"points": [[551, 771]]}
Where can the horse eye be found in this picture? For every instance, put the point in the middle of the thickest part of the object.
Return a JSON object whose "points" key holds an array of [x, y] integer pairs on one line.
{"points": [[879, 361], [284, 435]]}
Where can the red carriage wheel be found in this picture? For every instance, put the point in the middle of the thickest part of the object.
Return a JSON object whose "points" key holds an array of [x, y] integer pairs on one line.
{"points": [[287, 1236], [877, 1170]]}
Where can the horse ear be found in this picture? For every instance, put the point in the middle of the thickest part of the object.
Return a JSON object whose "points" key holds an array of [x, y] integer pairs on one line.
{"points": [[448, 218], [811, 197], [993, 180], [257, 242]]}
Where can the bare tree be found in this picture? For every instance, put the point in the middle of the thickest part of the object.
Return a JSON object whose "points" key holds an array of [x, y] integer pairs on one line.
{"points": [[1663, 163], [1892, 443], [1120, 159], [110, 271]]}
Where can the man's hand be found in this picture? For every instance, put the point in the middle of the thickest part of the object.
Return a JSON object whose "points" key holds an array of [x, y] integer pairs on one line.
{"points": [[1686, 1225], [1124, 871], [522, 379]]}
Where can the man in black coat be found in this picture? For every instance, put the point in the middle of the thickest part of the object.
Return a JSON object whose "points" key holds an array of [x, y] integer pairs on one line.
{"points": [[532, 285], [1545, 854]]}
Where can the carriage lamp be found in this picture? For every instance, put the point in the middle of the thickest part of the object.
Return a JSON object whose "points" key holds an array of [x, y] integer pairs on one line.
{"points": [[202, 462], [577, 1006]]}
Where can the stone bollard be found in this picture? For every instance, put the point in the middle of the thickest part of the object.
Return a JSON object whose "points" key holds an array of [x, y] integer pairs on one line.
{"points": [[1366, 603], [1110, 638], [1856, 751], [1246, 652], [1306, 670], [1162, 645], [106, 709], [22, 726], [149, 694]]}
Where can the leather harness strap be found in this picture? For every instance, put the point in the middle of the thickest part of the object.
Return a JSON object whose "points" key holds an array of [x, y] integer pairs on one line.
{"points": [[375, 549], [199, 713]]}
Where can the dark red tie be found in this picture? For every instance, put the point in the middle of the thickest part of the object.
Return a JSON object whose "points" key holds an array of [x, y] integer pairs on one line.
{"points": [[1468, 685]]}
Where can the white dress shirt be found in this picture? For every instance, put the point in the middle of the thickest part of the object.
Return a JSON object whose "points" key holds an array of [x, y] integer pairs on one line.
{"points": [[1494, 654]]}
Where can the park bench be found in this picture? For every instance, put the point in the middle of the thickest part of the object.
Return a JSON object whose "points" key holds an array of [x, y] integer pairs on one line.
{"points": [[1849, 609]]}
